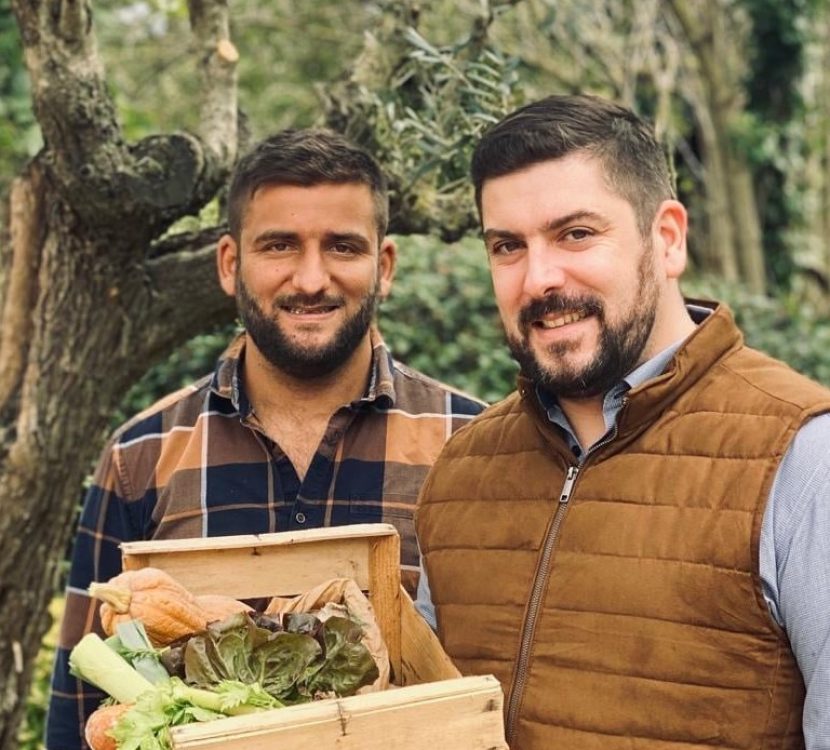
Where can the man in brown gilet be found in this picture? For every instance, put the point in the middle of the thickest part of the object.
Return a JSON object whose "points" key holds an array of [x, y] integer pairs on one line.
{"points": [[637, 541]]}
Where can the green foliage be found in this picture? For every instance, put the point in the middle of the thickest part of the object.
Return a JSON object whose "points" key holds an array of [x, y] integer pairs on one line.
{"points": [[780, 326], [287, 49], [184, 366], [771, 132], [19, 133], [30, 736], [422, 118], [441, 317]]}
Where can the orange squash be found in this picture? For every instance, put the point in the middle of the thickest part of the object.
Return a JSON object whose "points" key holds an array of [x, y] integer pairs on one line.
{"points": [[99, 723], [167, 610]]}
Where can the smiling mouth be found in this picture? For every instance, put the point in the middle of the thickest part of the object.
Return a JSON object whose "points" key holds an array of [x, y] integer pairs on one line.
{"points": [[560, 320], [322, 310]]}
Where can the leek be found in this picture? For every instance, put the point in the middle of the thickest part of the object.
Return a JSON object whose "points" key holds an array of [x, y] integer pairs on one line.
{"points": [[131, 642], [95, 662]]}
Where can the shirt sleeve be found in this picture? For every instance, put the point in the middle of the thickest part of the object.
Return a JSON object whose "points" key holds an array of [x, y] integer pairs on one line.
{"points": [[423, 601], [795, 567], [104, 523]]}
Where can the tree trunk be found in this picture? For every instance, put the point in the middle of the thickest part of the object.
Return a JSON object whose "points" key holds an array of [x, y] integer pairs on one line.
{"points": [[823, 149], [748, 224], [718, 254], [813, 250], [718, 44], [89, 299]]}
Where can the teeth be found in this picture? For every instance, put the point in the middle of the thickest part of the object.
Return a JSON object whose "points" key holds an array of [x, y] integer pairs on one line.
{"points": [[562, 320], [307, 310]]}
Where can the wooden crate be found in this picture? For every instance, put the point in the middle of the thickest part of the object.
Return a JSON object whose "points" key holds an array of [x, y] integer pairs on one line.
{"points": [[435, 708]]}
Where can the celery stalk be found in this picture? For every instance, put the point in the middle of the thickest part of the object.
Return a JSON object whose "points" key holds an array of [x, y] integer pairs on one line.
{"points": [[95, 662], [209, 700]]}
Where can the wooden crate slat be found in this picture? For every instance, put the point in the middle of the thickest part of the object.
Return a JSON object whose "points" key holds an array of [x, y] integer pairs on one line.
{"points": [[385, 593], [279, 538], [461, 714], [267, 565], [250, 572], [422, 657]]}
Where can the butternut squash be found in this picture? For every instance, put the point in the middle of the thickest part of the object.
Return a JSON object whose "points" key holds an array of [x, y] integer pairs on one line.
{"points": [[167, 609]]}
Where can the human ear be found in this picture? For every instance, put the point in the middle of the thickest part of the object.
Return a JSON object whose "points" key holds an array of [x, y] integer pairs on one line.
{"points": [[387, 263], [227, 263], [669, 237]]}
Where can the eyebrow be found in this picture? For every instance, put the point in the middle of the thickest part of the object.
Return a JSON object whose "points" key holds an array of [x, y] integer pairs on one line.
{"points": [[551, 226], [562, 221], [275, 235]]}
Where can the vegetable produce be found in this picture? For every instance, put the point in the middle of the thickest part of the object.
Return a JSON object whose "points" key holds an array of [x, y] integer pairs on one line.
{"points": [[304, 659], [98, 728], [95, 662], [242, 663], [167, 609], [131, 642], [157, 707]]}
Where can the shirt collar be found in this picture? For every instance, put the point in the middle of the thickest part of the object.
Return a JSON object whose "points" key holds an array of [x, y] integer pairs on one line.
{"points": [[227, 377]]}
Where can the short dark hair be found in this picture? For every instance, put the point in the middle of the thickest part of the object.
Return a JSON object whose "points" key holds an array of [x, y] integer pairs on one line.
{"points": [[634, 163], [305, 158]]}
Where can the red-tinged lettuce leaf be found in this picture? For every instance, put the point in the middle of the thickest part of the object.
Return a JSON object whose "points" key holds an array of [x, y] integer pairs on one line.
{"points": [[283, 661], [347, 664], [306, 660], [302, 622], [237, 649]]}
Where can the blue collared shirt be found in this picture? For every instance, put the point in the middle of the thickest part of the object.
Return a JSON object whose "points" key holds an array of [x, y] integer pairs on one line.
{"points": [[794, 545]]}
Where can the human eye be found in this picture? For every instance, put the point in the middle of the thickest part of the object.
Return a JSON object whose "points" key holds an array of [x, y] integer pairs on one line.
{"points": [[577, 234], [348, 247], [343, 248], [505, 247], [278, 246]]}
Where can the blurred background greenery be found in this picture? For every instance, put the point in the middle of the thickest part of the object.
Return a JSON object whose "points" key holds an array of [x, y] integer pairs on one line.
{"points": [[739, 91]]}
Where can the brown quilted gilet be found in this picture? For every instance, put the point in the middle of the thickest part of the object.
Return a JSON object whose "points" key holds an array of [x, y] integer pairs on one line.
{"points": [[642, 615]]}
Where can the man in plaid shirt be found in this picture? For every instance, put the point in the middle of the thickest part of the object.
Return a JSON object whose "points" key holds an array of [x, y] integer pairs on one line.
{"points": [[307, 420]]}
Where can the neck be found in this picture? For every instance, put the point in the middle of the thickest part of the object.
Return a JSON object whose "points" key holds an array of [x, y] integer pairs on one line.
{"points": [[585, 417], [273, 392]]}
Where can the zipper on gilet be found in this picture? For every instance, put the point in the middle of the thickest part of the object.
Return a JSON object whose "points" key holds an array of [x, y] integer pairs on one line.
{"points": [[539, 585], [540, 580]]}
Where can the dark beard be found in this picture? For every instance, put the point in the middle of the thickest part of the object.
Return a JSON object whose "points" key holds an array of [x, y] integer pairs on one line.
{"points": [[618, 353], [300, 361]]}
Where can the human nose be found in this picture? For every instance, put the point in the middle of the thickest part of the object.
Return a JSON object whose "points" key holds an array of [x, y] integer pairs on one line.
{"points": [[545, 271], [310, 274]]}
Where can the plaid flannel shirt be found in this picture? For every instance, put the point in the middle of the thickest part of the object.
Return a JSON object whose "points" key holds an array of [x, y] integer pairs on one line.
{"points": [[195, 464]]}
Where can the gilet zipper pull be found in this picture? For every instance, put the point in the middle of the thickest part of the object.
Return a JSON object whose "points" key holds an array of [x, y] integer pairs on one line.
{"points": [[570, 478]]}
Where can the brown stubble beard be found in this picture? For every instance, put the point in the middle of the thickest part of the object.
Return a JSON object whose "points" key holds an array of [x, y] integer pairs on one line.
{"points": [[298, 361], [619, 350]]}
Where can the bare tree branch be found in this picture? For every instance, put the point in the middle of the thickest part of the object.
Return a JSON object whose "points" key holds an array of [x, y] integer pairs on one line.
{"points": [[159, 179], [26, 214], [217, 65], [73, 108], [186, 241], [186, 298]]}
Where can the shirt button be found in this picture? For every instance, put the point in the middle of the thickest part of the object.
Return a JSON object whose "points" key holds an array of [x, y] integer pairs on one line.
{"points": [[300, 517]]}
